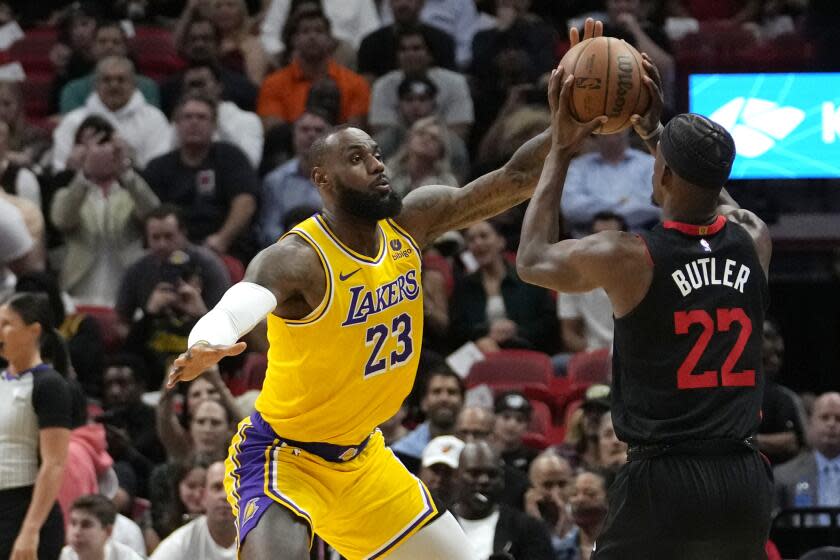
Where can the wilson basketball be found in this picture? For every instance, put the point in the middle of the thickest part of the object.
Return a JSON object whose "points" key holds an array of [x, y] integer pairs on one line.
{"points": [[608, 81]]}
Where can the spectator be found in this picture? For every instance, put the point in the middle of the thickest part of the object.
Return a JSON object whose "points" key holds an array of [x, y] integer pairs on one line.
{"points": [[72, 55], [615, 178], [588, 502], [414, 59], [208, 426], [165, 235], [456, 18], [438, 466], [513, 415], [476, 423], [612, 452], [91, 524], [213, 183], [98, 215], [241, 50], [130, 422], [423, 159], [443, 396], [108, 40], [377, 52], [551, 481], [813, 477], [116, 98], [241, 128], [516, 29], [289, 186], [184, 498], [26, 143], [586, 321], [80, 331], [491, 527], [628, 17], [417, 100], [493, 304], [284, 93], [350, 19], [211, 536], [174, 306], [781, 432], [35, 423], [18, 252], [15, 179], [581, 447], [200, 43]]}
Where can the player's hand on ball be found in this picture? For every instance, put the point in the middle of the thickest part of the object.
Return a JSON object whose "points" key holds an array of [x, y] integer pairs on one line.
{"points": [[198, 359], [591, 28], [647, 123], [566, 131]]}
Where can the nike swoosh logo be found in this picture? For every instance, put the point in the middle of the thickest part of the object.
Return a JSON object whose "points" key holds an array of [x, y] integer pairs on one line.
{"points": [[344, 277]]}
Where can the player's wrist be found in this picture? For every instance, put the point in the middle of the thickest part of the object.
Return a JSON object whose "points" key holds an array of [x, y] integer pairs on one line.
{"points": [[648, 135]]}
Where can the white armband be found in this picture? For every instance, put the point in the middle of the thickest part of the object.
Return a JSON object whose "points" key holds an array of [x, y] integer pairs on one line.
{"points": [[243, 306]]}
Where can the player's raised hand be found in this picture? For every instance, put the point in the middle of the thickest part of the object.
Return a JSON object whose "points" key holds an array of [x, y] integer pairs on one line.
{"points": [[199, 358], [566, 131], [591, 28], [646, 124]]}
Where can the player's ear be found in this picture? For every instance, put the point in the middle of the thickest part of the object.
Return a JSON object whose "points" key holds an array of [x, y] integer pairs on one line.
{"points": [[319, 177]]}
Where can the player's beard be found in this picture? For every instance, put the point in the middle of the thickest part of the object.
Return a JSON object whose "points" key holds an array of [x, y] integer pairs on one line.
{"points": [[371, 206]]}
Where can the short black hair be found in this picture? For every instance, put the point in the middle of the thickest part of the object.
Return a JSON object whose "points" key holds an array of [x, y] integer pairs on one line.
{"points": [[164, 211], [441, 370], [299, 15], [98, 506], [124, 359], [320, 146], [97, 123], [410, 31]]}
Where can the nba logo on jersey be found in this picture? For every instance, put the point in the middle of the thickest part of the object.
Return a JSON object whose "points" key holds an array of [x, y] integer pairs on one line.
{"points": [[705, 245]]}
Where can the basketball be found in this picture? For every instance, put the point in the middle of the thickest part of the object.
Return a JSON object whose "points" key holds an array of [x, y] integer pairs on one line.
{"points": [[608, 81]]}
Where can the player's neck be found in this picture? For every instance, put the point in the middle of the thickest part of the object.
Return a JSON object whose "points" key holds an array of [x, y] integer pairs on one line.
{"points": [[689, 214], [359, 234]]}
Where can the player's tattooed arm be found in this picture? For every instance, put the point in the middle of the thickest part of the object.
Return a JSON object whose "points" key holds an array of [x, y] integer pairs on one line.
{"points": [[292, 271], [432, 210], [754, 225]]}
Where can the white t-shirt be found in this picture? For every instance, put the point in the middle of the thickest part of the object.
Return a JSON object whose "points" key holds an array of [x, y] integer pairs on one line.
{"points": [[595, 310], [127, 532], [113, 551], [193, 540], [480, 533]]}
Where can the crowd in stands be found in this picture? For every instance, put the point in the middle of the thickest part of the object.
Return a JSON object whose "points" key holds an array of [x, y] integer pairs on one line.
{"points": [[150, 148]]}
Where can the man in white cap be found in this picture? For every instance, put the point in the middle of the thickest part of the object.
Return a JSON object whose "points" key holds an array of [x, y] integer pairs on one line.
{"points": [[438, 465]]}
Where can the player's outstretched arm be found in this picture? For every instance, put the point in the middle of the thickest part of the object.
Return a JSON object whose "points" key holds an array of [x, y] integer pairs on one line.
{"points": [[286, 278], [432, 210]]}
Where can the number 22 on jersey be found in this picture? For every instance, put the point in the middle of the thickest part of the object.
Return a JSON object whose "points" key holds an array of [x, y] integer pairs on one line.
{"points": [[723, 321], [377, 335]]}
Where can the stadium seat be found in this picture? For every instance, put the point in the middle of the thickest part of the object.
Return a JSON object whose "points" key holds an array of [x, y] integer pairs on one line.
{"points": [[235, 268], [33, 51], [793, 540], [154, 50], [524, 370], [586, 368], [36, 96]]}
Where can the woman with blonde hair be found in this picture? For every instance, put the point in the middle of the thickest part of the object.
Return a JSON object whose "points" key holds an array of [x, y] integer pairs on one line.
{"points": [[423, 158]]}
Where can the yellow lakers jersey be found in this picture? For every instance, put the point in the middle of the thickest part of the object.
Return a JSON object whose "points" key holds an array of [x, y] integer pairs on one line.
{"points": [[339, 372]]}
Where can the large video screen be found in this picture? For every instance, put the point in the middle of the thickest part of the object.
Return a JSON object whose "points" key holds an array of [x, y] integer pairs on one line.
{"points": [[785, 125]]}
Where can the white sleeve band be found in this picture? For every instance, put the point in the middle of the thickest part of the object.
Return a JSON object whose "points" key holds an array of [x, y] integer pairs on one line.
{"points": [[243, 306]]}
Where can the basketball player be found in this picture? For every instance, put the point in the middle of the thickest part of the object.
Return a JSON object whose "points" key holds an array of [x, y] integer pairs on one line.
{"points": [[342, 296], [689, 299]]}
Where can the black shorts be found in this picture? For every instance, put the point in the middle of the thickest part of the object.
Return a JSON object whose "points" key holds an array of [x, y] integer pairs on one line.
{"points": [[13, 506], [689, 507]]}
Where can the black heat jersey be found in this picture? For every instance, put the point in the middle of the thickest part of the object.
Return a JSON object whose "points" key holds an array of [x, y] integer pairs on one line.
{"points": [[687, 359]]}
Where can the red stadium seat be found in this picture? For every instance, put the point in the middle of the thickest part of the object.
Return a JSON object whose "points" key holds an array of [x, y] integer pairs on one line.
{"points": [[235, 268], [33, 51], [524, 370], [36, 96], [154, 50], [540, 418], [586, 368]]}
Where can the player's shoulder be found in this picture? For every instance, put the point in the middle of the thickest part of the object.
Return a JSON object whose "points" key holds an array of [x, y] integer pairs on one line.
{"points": [[616, 244], [291, 261]]}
